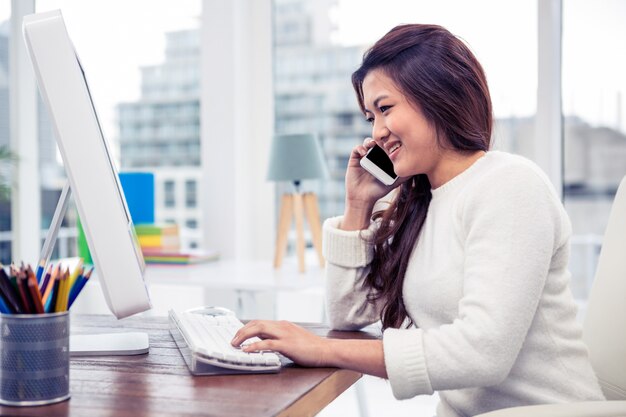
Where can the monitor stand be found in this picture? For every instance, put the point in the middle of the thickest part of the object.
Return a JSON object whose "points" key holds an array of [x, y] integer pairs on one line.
{"points": [[125, 343]]}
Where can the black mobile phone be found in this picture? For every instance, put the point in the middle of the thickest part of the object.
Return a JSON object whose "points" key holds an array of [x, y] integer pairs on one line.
{"points": [[377, 163]]}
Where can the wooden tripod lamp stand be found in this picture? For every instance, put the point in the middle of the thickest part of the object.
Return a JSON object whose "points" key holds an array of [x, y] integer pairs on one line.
{"points": [[294, 158]]}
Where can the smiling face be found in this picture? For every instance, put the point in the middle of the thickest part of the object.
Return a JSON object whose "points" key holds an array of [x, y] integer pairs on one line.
{"points": [[400, 127]]}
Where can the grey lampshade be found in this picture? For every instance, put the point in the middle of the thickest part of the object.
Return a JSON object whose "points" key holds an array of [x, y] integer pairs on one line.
{"points": [[296, 157]]}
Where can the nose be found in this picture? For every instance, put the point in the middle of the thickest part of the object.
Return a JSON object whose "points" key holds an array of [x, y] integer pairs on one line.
{"points": [[380, 133]]}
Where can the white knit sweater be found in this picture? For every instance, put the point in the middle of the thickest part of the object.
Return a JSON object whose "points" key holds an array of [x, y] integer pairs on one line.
{"points": [[487, 286]]}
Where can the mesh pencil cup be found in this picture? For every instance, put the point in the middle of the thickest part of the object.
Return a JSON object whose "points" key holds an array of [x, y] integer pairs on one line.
{"points": [[34, 367]]}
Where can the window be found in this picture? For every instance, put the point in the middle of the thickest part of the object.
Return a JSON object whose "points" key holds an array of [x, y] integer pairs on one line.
{"points": [[345, 119], [191, 223], [169, 192], [191, 193], [594, 149]]}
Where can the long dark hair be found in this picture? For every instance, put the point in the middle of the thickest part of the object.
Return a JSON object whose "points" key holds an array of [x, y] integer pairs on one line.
{"points": [[437, 73]]}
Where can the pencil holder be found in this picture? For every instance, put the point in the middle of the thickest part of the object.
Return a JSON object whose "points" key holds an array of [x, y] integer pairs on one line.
{"points": [[34, 368]]}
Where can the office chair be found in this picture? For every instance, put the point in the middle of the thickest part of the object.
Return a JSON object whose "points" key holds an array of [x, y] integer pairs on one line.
{"points": [[604, 329]]}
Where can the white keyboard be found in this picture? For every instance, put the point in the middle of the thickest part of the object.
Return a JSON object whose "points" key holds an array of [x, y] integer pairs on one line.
{"points": [[208, 333]]}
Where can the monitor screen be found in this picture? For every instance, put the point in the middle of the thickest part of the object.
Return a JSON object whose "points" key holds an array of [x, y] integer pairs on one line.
{"points": [[88, 163]]}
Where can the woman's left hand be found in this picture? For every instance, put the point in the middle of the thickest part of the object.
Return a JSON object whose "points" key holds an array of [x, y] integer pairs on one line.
{"points": [[294, 342]]}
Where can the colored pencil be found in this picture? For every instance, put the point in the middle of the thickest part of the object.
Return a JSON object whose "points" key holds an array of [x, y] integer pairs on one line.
{"points": [[29, 273], [9, 293], [52, 298], [5, 303], [77, 284], [4, 307], [14, 273], [48, 290], [68, 287], [74, 284], [40, 268], [61, 301], [78, 288], [23, 290], [66, 291], [35, 295], [46, 280], [59, 293], [77, 271], [32, 287]]}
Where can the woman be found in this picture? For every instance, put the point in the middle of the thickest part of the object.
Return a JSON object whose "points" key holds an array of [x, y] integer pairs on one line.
{"points": [[465, 266]]}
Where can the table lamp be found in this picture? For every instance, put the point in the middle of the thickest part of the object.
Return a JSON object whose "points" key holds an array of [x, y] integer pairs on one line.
{"points": [[295, 158]]}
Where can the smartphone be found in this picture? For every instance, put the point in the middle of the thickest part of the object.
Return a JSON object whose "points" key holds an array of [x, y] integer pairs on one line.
{"points": [[377, 163]]}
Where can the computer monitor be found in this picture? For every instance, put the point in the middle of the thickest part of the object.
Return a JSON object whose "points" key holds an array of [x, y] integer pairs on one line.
{"points": [[90, 169]]}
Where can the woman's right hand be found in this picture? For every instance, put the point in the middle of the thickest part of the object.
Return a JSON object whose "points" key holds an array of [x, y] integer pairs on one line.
{"points": [[362, 189]]}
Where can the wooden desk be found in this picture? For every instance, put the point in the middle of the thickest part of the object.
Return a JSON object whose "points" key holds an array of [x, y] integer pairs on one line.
{"points": [[159, 383]]}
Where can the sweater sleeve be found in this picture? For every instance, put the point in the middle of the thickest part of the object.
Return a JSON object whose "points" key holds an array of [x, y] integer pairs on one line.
{"points": [[510, 224], [348, 254]]}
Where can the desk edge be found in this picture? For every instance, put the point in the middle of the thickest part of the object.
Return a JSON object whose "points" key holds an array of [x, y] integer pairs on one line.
{"points": [[321, 395]]}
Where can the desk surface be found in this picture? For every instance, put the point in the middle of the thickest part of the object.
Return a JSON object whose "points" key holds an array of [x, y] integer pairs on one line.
{"points": [[249, 275], [159, 383]]}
